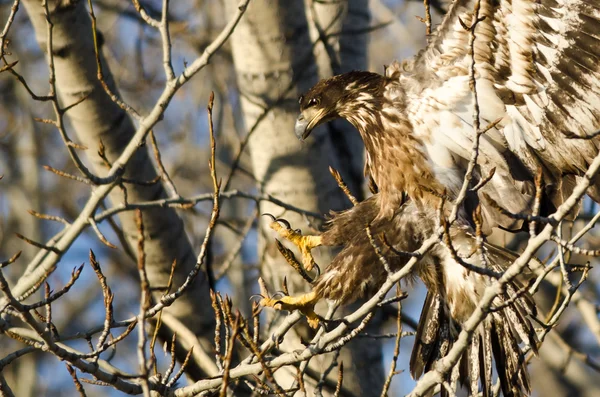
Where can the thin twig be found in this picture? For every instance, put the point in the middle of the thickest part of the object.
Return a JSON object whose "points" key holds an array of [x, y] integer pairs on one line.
{"points": [[171, 367], [388, 380], [48, 217], [338, 178], [235, 250], [10, 260], [101, 237], [571, 247], [11, 18], [338, 386], [536, 203], [119, 102], [561, 257], [182, 369], [108, 300], [38, 245], [78, 385], [144, 306], [229, 356], [377, 250], [170, 186], [53, 297], [478, 132], [427, 17], [166, 41], [217, 310]]}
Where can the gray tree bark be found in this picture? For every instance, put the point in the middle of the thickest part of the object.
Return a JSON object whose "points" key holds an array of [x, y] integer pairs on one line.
{"points": [[275, 62], [97, 119]]}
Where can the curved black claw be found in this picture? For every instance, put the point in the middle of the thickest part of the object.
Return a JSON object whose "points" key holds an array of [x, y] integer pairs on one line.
{"points": [[273, 219], [318, 270], [285, 223], [277, 302], [261, 296]]}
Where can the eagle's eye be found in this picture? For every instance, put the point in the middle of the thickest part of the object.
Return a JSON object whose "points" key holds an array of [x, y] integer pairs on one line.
{"points": [[314, 102]]}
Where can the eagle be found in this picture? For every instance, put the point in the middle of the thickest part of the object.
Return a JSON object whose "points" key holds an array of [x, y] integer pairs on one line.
{"points": [[495, 119]]}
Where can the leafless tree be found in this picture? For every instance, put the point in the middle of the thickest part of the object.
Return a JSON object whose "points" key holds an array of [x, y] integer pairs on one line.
{"points": [[141, 143]]}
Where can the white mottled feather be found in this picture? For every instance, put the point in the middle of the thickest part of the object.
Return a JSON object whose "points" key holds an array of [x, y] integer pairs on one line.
{"points": [[525, 77]]}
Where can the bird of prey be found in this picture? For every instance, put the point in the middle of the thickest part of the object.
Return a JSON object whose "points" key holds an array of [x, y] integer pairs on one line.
{"points": [[505, 96]]}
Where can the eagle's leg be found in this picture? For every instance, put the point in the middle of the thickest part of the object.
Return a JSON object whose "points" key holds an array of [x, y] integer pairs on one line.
{"points": [[304, 243], [305, 303]]}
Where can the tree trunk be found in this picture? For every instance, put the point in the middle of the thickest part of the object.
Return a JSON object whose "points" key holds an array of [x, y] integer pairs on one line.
{"points": [[97, 119], [275, 62]]}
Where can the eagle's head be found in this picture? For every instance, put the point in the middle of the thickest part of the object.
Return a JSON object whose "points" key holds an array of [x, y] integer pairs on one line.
{"points": [[339, 96]]}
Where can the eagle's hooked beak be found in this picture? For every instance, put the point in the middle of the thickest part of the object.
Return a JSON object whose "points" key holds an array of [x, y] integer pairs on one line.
{"points": [[308, 120], [301, 128]]}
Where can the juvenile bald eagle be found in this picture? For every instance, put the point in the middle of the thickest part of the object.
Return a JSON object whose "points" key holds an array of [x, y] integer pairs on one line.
{"points": [[536, 109]]}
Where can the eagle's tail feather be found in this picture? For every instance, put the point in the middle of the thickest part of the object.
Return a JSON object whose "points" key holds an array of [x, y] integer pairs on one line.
{"points": [[509, 360], [485, 361], [433, 338], [427, 336], [496, 340]]}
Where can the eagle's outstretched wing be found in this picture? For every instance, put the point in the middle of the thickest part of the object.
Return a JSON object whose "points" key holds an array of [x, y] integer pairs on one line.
{"points": [[537, 70]]}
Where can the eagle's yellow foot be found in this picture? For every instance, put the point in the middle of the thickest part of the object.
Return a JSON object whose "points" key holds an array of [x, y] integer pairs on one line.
{"points": [[305, 303], [304, 243]]}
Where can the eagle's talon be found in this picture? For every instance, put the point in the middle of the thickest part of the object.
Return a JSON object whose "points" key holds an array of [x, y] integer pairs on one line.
{"points": [[318, 269], [273, 219], [278, 293], [304, 303], [304, 243], [256, 296], [285, 223]]}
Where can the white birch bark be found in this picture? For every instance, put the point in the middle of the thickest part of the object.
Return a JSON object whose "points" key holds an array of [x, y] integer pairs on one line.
{"points": [[274, 61], [99, 118]]}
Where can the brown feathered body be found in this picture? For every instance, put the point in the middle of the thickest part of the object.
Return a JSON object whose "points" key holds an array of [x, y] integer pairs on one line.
{"points": [[453, 291], [537, 83]]}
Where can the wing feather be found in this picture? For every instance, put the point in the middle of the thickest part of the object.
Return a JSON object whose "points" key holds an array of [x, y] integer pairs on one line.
{"points": [[537, 68]]}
